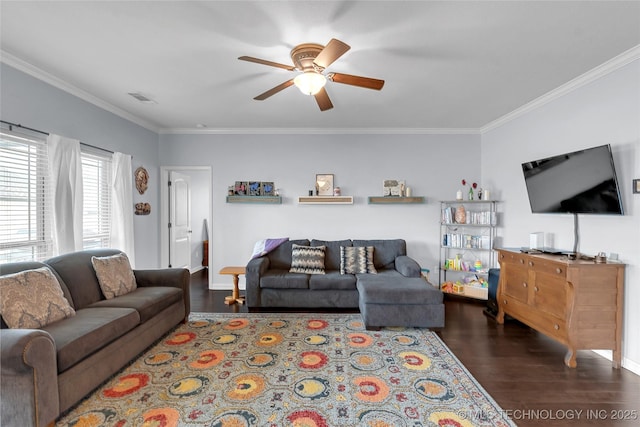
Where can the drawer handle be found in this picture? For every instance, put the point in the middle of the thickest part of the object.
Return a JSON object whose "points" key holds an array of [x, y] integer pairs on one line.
{"points": [[556, 327], [524, 284], [504, 302], [535, 288], [530, 263], [558, 270], [521, 261]]}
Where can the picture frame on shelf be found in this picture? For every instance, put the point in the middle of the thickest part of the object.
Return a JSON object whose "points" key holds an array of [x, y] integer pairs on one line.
{"points": [[267, 188], [393, 188], [254, 188], [241, 188], [324, 184]]}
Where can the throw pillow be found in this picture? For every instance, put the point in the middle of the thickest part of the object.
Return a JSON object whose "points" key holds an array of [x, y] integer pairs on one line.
{"points": [[356, 260], [114, 275], [32, 299], [307, 259]]}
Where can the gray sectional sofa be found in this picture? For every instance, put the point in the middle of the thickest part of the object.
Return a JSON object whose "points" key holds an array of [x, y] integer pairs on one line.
{"points": [[395, 296], [46, 371]]}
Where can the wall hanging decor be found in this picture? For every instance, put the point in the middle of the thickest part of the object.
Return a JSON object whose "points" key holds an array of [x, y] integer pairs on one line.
{"points": [[143, 209], [142, 179]]}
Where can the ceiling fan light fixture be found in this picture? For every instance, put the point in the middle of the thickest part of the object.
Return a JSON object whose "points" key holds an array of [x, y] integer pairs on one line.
{"points": [[310, 82]]}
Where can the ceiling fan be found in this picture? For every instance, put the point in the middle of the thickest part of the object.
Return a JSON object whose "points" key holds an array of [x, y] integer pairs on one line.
{"points": [[311, 60]]}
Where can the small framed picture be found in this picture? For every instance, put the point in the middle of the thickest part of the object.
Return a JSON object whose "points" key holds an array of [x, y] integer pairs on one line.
{"points": [[636, 185], [241, 188], [324, 184], [254, 188], [268, 189]]}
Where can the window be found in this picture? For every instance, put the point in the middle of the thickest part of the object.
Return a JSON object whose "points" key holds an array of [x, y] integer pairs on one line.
{"points": [[25, 201], [25, 233], [96, 207]]}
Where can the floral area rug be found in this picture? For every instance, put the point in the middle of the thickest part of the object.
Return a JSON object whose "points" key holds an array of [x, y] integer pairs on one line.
{"points": [[275, 370]]}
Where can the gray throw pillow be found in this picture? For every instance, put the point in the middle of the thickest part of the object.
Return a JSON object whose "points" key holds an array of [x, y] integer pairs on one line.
{"points": [[307, 259], [32, 299], [114, 275], [356, 260]]}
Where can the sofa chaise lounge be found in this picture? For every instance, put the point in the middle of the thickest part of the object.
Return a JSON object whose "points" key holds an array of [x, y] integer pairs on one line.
{"points": [[395, 295], [45, 371]]}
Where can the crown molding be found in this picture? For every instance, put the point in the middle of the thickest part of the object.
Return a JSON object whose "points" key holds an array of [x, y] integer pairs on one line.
{"points": [[602, 70], [319, 131], [40, 74]]}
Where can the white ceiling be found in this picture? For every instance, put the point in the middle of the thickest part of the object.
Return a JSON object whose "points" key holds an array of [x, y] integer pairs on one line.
{"points": [[447, 64]]}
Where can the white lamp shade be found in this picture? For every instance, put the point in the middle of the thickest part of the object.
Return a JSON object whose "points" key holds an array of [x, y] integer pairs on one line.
{"points": [[310, 82]]}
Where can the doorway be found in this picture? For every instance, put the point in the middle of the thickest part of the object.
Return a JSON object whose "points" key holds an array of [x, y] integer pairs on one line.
{"points": [[185, 216]]}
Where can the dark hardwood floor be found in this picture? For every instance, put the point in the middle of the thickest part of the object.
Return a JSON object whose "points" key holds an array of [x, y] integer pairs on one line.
{"points": [[520, 368]]}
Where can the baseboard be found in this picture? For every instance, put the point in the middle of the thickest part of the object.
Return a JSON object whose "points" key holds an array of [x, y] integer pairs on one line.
{"points": [[224, 286], [626, 363]]}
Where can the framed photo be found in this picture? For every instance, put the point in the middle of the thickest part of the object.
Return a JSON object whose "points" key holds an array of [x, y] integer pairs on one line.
{"points": [[254, 188], [636, 185], [267, 189], [241, 188], [392, 188], [324, 184]]}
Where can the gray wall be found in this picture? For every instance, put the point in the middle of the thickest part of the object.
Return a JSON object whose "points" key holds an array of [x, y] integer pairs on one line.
{"points": [[432, 165], [606, 111], [36, 104]]}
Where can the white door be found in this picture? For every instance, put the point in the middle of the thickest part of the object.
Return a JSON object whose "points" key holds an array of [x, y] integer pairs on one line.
{"points": [[179, 220]]}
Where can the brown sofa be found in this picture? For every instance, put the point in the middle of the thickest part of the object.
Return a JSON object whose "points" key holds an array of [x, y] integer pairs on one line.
{"points": [[46, 371]]}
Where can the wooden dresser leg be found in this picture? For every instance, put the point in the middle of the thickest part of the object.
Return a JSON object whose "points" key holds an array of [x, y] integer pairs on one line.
{"points": [[570, 358]]}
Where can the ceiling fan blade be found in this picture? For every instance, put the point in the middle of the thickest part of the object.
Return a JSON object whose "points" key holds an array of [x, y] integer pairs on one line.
{"points": [[274, 90], [265, 62], [359, 81], [322, 98], [332, 51]]}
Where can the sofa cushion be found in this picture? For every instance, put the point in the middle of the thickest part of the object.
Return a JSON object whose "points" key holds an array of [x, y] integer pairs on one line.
{"points": [[77, 273], [381, 289], [88, 331], [332, 280], [354, 260], [282, 279], [280, 257], [32, 299], [307, 259], [115, 275], [386, 251], [147, 301], [332, 252]]}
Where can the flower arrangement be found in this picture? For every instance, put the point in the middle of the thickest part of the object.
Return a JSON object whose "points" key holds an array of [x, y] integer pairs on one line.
{"points": [[471, 188]]}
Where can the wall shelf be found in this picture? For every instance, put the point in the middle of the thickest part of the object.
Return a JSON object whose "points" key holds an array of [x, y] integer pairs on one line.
{"points": [[325, 200], [394, 200], [255, 199]]}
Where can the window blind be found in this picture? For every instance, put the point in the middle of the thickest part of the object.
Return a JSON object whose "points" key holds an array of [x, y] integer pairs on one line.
{"points": [[96, 181], [25, 216]]}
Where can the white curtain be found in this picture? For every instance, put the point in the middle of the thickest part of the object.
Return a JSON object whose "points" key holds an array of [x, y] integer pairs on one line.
{"points": [[122, 206], [65, 168]]}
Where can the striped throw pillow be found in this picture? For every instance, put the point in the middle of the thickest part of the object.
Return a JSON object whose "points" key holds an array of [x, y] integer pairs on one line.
{"points": [[307, 259], [357, 260]]}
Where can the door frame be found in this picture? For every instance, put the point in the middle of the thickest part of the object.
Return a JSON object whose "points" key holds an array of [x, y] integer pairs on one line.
{"points": [[164, 208]]}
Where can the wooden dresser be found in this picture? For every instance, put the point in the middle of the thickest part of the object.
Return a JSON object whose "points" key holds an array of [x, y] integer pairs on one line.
{"points": [[576, 302]]}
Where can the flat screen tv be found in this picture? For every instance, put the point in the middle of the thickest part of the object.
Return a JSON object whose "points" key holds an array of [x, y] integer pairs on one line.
{"points": [[580, 182]]}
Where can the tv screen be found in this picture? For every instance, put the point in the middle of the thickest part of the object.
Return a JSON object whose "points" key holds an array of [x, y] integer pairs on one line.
{"points": [[579, 182]]}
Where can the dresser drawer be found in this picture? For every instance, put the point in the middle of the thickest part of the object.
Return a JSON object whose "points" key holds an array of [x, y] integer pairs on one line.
{"points": [[545, 266]]}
